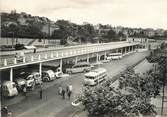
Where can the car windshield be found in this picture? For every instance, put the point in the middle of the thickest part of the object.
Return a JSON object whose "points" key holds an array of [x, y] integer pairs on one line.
{"points": [[14, 85]]}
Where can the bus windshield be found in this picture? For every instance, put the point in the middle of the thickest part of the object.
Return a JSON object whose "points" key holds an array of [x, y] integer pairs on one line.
{"points": [[90, 77]]}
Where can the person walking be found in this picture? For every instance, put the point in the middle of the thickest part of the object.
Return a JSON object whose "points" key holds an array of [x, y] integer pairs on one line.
{"points": [[69, 94], [41, 93], [63, 93], [70, 88], [4, 111], [67, 88], [35, 50], [60, 90], [25, 91]]}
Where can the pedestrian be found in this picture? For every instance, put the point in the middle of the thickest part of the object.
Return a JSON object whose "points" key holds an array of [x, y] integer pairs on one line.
{"points": [[67, 88], [70, 88], [69, 94], [60, 90], [63, 93], [25, 91], [34, 50], [41, 93], [4, 111]]}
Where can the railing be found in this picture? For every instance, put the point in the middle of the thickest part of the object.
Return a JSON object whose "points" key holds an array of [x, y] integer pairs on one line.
{"points": [[61, 53]]}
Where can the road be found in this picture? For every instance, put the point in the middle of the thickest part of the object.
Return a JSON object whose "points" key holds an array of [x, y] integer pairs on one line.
{"points": [[52, 104]]}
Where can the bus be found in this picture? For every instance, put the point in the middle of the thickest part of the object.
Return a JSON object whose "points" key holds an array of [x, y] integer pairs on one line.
{"points": [[96, 76], [79, 67], [114, 56]]}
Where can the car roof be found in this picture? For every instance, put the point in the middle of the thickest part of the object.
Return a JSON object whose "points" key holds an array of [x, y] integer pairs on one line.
{"points": [[82, 63], [115, 53], [7, 82]]}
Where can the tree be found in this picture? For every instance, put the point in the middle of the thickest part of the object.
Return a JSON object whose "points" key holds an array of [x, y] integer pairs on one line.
{"points": [[131, 100]]}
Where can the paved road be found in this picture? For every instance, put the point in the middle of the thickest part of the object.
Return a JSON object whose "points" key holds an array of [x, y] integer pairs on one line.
{"points": [[52, 104]]}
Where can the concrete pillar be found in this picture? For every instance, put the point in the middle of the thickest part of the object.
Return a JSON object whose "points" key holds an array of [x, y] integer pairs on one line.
{"points": [[76, 59], [61, 64], [51, 55], [24, 59], [46, 56], [15, 61], [39, 57], [87, 58], [70, 52], [105, 55], [40, 69], [125, 50], [5, 62], [32, 58], [57, 54], [11, 74], [122, 50], [132, 48], [66, 53], [116, 50], [97, 57]]}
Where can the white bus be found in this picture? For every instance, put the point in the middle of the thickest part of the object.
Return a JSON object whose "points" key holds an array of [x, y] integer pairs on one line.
{"points": [[114, 56], [95, 76]]}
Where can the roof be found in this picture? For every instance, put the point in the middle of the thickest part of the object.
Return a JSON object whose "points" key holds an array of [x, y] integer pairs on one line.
{"points": [[49, 71], [114, 53], [7, 82], [96, 72], [29, 47], [82, 63]]}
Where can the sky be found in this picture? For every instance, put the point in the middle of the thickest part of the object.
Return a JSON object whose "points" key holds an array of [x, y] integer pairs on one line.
{"points": [[129, 13]]}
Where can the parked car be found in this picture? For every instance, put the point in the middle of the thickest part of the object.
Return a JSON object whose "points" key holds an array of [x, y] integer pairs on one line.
{"points": [[9, 89], [37, 78], [79, 67], [30, 81], [20, 83], [48, 75], [58, 73]]}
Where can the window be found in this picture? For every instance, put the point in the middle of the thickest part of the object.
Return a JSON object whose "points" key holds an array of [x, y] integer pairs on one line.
{"points": [[90, 77], [14, 86]]}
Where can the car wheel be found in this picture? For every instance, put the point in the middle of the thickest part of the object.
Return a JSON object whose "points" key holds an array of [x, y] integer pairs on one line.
{"points": [[69, 72]]}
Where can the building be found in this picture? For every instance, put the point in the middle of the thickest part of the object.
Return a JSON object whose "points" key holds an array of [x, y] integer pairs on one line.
{"points": [[159, 32], [149, 32]]}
